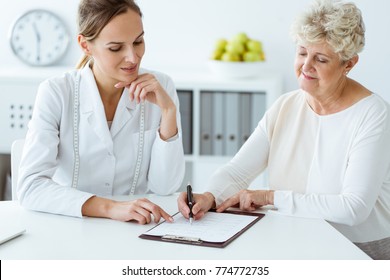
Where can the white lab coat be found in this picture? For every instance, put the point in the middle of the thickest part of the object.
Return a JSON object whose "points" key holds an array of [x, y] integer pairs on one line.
{"points": [[107, 156]]}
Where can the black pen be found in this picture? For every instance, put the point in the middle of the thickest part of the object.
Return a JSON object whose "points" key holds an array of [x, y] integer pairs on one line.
{"points": [[190, 200]]}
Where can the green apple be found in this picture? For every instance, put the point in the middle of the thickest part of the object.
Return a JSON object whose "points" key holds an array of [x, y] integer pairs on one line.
{"points": [[251, 56], [262, 56], [227, 56], [217, 54], [240, 37], [254, 46], [220, 44], [235, 47]]}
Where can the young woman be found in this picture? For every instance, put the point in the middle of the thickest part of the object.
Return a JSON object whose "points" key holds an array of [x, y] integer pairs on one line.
{"points": [[109, 128]]}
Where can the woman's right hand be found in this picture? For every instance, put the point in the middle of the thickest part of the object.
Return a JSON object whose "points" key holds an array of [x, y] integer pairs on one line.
{"points": [[203, 203], [139, 210]]}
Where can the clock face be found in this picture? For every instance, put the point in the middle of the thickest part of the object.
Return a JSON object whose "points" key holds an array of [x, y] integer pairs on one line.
{"points": [[39, 38]]}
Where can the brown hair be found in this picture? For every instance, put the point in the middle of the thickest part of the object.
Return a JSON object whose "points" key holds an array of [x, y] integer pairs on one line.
{"points": [[94, 15]]}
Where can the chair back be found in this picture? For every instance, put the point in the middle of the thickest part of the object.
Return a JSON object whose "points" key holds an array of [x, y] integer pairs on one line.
{"points": [[16, 155]]}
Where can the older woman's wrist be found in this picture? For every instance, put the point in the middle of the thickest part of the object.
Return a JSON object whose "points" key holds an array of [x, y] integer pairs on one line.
{"points": [[270, 197]]}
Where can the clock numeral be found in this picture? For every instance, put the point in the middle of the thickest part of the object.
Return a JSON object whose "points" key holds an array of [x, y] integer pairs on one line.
{"points": [[38, 16]]}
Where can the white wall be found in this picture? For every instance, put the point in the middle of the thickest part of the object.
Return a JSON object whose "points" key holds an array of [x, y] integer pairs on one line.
{"points": [[180, 33]]}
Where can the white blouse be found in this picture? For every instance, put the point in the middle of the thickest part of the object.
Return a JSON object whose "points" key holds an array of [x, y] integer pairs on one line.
{"points": [[335, 167], [107, 155]]}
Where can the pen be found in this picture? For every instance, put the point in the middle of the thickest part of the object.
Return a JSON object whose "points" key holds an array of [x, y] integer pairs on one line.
{"points": [[190, 201]]}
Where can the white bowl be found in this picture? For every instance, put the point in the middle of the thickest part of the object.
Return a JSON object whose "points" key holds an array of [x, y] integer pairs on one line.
{"points": [[236, 69]]}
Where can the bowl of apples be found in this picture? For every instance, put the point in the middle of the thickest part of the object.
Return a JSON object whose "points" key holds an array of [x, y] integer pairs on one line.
{"points": [[239, 57]]}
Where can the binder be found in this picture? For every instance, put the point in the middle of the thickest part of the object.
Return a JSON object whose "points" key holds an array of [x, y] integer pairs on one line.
{"points": [[232, 117], [218, 123], [245, 117], [205, 123], [258, 108], [185, 108], [193, 240]]}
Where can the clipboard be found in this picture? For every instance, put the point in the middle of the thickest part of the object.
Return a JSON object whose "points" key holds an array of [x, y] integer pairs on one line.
{"points": [[193, 240]]}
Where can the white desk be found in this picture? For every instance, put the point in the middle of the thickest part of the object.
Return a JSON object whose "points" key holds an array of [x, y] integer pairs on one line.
{"points": [[275, 237]]}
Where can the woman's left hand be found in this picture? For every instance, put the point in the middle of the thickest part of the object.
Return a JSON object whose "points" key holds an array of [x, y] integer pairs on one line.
{"points": [[147, 87], [248, 200]]}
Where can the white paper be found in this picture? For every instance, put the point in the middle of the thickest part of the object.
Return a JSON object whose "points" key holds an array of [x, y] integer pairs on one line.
{"points": [[213, 227]]}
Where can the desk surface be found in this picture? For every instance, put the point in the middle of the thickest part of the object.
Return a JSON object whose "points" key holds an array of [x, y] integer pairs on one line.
{"points": [[275, 236]]}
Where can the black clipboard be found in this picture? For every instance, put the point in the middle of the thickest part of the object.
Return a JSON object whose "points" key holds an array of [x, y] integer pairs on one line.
{"points": [[197, 241]]}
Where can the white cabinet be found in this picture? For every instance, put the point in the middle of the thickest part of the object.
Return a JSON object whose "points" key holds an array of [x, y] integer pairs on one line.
{"points": [[217, 117]]}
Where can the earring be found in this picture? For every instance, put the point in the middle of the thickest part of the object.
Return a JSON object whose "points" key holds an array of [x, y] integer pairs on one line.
{"points": [[346, 73]]}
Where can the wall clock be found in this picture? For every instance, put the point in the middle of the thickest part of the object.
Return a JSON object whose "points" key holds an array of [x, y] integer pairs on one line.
{"points": [[39, 38]]}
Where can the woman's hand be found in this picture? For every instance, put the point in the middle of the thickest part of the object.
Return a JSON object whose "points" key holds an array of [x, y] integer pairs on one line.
{"points": [[203, 203], [147, 87], [248, 200], [140, 210]]}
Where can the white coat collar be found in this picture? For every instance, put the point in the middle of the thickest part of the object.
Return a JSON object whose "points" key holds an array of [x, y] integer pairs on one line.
{"points": [[91, 108]]}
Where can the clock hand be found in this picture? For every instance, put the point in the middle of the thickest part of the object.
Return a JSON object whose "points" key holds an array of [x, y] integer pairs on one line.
{"points": [[38, 40]]}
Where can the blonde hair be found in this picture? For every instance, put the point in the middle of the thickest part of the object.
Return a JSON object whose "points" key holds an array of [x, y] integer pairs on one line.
{"points": [[93, 16], [338, 24]]}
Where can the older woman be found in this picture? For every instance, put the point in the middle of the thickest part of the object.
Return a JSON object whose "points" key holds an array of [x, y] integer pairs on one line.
{"points": [[326, 145]]}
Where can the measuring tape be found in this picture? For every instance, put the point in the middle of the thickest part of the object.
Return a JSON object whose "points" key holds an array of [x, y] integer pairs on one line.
{"points": [[76, 121], [76, 114]]}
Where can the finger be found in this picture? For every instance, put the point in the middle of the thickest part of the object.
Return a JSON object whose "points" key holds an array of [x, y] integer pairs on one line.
{"points": [[146, 89], [121, 85], [137, 91], [228, 203], [134, 88], [140, 78], [156, 211], [165, 216], [130, 90], [137, 217], [245, 202], [145, 213], [144, 207], [197, 208], [182, 204], [199, 215]]}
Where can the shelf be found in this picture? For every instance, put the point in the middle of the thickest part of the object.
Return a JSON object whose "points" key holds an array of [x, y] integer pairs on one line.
{"points": [[218, 116]]}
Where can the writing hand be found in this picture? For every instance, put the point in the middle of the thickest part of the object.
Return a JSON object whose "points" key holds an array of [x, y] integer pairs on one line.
{"points": [[203, 203]]}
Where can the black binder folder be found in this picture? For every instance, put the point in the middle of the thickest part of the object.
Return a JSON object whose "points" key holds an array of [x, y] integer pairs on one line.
{"points": [[194, 240]]}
